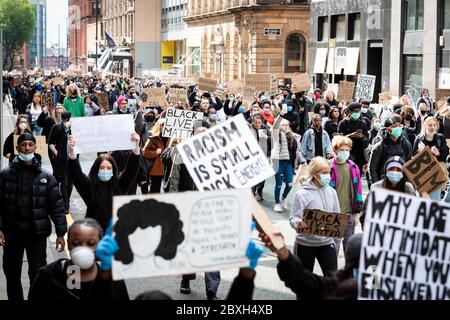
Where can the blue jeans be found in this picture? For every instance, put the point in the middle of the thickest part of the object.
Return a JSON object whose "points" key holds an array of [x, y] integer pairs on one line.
{"points": [[285, 174], [37, 131]]}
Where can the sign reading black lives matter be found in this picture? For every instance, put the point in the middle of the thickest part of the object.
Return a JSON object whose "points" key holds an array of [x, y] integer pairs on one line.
{"points": [[324, 224], [405, 253], [180, 123], [365, 87], [185, 233], [225, 157]]}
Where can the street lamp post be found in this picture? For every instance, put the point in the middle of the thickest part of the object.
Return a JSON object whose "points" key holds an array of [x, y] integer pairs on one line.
{"points": [[1, 99], [96, 33]]}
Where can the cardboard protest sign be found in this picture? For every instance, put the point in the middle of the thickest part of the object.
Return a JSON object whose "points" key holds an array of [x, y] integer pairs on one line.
{"points": [[48, 99], [425, 172], [181, 233], [385, 96], [234, 87], [41, 144], [324, 224], [264, 224], [226, 156], [103, 100], [301, 82], [180, 123], [365, 87], [346, 90], [403, 254], [155, 95], [103, 133], [212, 75], [57, 81], [206, 84], [177, 95], [259, 81], [442, 93], [248, 95]]}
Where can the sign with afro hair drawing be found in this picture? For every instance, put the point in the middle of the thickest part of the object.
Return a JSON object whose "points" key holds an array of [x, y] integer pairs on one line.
{"points": [[180, 233]]}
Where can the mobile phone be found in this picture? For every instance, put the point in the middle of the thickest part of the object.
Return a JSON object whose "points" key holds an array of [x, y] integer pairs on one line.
{"points": [[285, 107]]}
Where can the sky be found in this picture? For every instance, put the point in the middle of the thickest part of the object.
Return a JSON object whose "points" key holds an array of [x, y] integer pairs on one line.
{"points": [[57, 11]]}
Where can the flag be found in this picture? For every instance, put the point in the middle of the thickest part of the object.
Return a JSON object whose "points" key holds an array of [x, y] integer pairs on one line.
{"points": [[109, 40]]}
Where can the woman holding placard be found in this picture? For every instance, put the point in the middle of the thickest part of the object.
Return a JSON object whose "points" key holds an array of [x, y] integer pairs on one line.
{"points": [[436, 142], [315, 193]]}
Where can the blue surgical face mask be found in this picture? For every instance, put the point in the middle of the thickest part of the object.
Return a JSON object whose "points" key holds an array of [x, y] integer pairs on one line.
{"points": [[397, 132], [290, 108], [394, 177], [26, 157], [343, 156], [364, 110], [323, 112], [377, 126], [355, 273], [241, 109], [105, 175], [325, 179]]}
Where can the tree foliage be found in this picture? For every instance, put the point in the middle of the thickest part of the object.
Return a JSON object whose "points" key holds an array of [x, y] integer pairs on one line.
{"points": [[17, 19]]}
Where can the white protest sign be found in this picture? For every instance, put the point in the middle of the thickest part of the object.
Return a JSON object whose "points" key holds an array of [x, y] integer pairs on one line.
{"points": [[225, 157], [181, 233], [103, 133], [405, 253], [365, 87], [180, 123]]}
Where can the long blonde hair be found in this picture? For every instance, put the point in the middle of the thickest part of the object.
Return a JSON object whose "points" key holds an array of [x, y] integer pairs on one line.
{"points": [[316, 165]]}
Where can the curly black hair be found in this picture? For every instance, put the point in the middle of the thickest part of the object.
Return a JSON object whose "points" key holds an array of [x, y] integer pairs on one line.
{"points": [[144, 214]]}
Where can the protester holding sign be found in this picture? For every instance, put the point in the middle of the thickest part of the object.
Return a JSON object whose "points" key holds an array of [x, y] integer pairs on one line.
{"points": [[284, 154], [340, 285], [95, 283], [34, 110], [74, 102], [104, 181], [315, 193], [346, 180], [22, 126], [153, 149], [436, 142]]}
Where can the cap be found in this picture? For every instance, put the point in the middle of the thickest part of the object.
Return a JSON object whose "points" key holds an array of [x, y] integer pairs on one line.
{"points": [[352, 107], [391, 120], [66, 115], [353, 249], [26, 137], [394, 162]]}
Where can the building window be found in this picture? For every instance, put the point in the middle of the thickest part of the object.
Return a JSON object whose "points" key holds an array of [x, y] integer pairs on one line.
{"points": [[446, 14], [354, 26], [412, 72], [414, 14], [96, 10], [338, 27], [295, 53], [323, 29]]}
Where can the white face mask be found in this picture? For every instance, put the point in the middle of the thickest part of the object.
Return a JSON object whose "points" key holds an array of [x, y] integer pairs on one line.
{"points": [[23, 126], [144, 242], [83, 257]]}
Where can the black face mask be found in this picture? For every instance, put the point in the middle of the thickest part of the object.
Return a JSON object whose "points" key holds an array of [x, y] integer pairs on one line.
{"points": [[423, 112], [149, 118], [408, 117]]}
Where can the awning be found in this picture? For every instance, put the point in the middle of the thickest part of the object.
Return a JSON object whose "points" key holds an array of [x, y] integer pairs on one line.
{"points": [[321, 60], [340, 60], [351, 67]]}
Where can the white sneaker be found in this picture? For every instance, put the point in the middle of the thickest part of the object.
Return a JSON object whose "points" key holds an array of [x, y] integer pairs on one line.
{"points": [[283, 204], [277, 208]]}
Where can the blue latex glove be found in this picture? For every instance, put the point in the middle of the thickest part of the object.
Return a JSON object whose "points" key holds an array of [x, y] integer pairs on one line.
{"points": [[105, 250], [254, 251]]}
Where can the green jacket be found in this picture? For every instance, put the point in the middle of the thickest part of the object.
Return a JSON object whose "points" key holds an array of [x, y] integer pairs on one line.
{"points": [[75, 108]]}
